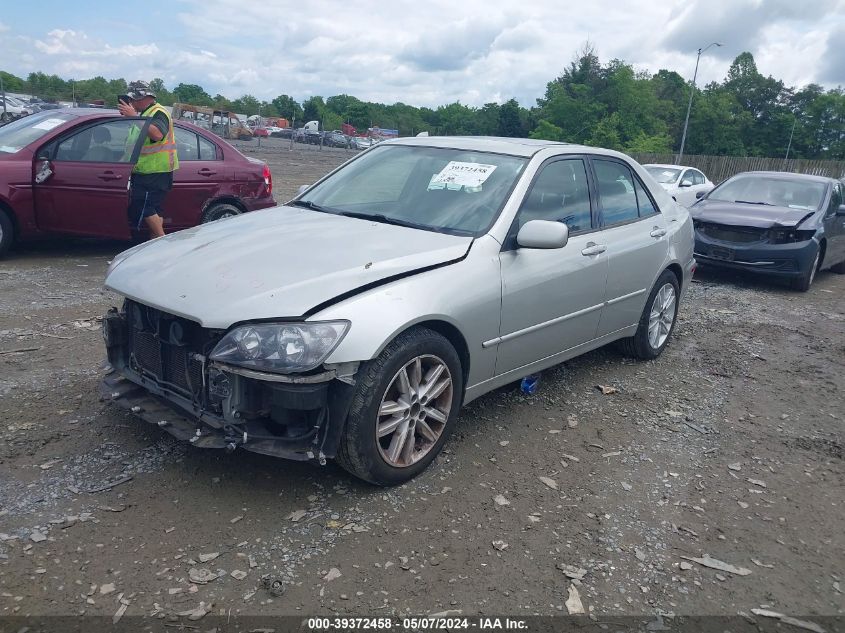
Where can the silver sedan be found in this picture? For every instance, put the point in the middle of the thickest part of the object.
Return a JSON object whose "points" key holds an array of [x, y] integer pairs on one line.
{"points": [[353, 322]]}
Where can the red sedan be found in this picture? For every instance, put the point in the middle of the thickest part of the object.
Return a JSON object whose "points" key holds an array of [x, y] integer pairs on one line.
{"points": [[67, 172]]}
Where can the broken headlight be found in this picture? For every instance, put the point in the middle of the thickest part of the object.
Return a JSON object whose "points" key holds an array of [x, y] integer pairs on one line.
{"points": [[786, 236], [280, 347]]}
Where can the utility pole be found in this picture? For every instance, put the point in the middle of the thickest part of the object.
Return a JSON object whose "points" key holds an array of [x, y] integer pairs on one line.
{"points": [[789, 145], [691, 92]]}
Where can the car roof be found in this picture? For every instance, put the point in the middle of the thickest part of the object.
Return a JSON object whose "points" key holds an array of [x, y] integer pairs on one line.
{"points": [[496, 144], [667, 166], [788, 175]]}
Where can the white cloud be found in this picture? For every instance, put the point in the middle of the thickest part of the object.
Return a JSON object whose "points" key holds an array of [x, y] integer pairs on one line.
{"points": [[438, 51]]}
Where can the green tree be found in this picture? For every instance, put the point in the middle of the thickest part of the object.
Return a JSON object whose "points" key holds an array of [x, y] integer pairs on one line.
{"points": [[509, 121], [12, 83], [193, 94], [287, 107], [312, 109], [546, 131]]}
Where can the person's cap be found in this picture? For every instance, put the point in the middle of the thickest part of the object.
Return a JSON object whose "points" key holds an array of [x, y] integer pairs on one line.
{"points": [[139, 90]]}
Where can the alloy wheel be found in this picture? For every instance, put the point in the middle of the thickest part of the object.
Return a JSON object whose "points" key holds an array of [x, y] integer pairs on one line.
{"points": [[414, 411], [662, 316]]}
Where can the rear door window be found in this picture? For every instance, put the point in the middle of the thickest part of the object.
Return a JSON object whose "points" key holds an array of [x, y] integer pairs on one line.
{"points": [[618, 198], [208, 150]]}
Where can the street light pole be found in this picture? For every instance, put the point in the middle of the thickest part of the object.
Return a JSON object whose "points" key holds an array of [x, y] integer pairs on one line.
{"points": [[691, 92]]}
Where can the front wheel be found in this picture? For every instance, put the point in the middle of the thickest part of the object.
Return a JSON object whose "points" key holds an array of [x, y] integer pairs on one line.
{"points": [[803, 283], [7, 232], [657, 321], [403, 409]]}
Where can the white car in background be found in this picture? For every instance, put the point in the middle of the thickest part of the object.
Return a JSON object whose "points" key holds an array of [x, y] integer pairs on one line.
{"points": [[684, 184]]}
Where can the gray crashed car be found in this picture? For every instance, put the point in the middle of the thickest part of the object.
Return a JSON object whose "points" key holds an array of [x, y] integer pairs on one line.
{"points": [[354, 321]]}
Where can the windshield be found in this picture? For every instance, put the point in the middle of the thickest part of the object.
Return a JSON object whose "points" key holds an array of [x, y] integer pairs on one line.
{"points": [[663, 175], [449, 190], [20, 133], [772, 191]]}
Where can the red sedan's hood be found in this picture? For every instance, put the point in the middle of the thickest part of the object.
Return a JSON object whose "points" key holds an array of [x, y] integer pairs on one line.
{"points": [[741, 214]]}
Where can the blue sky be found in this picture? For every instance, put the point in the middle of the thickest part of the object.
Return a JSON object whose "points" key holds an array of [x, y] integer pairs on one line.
{"points": [[422, 53]]}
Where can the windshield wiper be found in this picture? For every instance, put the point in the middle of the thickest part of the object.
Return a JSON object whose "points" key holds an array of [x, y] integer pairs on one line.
{"points": [[310, 205], [380, 217], [768, 204]]}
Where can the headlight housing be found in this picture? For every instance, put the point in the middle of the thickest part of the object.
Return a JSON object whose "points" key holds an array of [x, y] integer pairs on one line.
{"points": [[280, 347]]}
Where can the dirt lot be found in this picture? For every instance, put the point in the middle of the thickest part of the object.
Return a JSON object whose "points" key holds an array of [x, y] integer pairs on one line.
{"points": [[729, 445]]}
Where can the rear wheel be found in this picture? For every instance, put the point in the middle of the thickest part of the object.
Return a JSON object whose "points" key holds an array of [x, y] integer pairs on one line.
{"points": [[219, 211], [839, 268], [7, 232], [403, 410], [657, 321], [803, 283]]}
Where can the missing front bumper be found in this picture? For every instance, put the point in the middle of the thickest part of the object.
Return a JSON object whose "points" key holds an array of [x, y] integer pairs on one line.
{"points": [[186, 422]]}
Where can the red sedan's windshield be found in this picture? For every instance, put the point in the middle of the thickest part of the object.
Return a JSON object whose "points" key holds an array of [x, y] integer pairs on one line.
{"points": [[22, 132]]}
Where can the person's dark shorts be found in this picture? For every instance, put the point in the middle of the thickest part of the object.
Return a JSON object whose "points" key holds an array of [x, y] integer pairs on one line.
{"points": [[146, 194]]}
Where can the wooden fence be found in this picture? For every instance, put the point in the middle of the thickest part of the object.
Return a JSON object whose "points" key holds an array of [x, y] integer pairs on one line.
{"points": [[717, 168]]}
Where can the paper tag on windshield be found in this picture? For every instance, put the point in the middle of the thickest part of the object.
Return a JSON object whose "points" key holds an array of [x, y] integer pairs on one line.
{"points": [[47, 124], [457, 174]]}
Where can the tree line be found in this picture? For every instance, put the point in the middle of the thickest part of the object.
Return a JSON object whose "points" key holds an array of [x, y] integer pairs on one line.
{"points": [[607, 105]]}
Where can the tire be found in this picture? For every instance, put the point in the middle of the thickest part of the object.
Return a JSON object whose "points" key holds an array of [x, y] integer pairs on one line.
{"points": [[803, 283], [644, 344], [839, 268], [219, 211], [419, 354], [7, 233]]}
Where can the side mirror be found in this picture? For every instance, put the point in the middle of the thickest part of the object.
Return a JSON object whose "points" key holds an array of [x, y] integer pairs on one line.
{"points": [[841, 210], [699, 195], [44, 172], [302, 189], [543, 234], [686, 183]]}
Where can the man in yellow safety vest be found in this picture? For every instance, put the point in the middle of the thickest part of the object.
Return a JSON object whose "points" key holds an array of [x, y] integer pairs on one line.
{"points": [[152, 177]]}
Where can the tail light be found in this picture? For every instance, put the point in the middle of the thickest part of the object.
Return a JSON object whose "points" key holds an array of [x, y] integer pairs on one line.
{"points": [[268, 179]]}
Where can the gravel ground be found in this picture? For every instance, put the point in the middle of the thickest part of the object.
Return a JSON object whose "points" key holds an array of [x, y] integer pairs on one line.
{"points": [[727, 447]]}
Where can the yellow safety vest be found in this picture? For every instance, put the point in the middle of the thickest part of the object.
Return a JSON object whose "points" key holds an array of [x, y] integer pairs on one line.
{"points": [[156, 156]]}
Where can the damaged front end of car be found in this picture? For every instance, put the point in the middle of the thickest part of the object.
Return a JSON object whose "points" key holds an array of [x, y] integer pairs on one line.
{"points": [[262, 387]]}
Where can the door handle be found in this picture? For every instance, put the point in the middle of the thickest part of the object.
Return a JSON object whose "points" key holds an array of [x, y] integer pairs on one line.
{"points": [[205, 171], [109, 175], [593, 249], [657, 232]]}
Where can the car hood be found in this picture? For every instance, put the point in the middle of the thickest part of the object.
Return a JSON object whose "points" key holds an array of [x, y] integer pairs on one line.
{"points": [[276, 263], [739, 214]]}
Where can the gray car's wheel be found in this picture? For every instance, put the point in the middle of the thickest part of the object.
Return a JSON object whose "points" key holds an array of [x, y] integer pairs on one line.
{"points": [[219, 211], [657, 321], [839, 268], [7, 232], [803, 283], [403, 409]]}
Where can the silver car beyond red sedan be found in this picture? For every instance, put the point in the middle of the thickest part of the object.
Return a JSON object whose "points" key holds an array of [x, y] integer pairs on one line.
{"points": [[353, 322]]}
